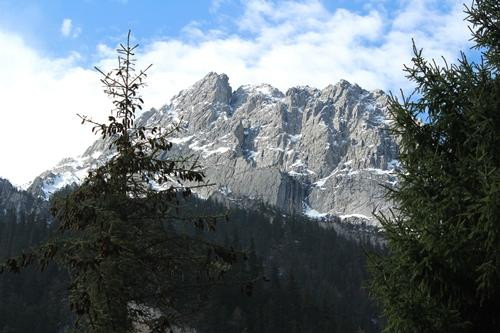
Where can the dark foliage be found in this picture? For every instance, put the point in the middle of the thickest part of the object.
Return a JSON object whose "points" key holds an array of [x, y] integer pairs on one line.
{"points": [[310, 279], [31, 301], [128, 269], [442, 273]]}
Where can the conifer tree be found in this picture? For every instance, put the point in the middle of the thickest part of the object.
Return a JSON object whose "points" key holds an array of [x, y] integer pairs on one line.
{"points": [[130, 270], [442, 270]]}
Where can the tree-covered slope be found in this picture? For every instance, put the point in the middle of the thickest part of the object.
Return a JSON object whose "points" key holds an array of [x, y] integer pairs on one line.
{"points": [[309, 279]]}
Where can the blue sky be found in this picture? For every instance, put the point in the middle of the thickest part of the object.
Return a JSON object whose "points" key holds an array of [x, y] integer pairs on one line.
{"points": [[95, 22], [49, 49]]}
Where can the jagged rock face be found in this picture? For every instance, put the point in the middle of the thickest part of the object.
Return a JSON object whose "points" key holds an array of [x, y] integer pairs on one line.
{"points": [[306, 150], [69, 171], [19, 201]]}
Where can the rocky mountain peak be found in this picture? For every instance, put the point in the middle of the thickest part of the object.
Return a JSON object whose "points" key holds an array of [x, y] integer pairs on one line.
{"points": [[307, 150], [213, 88], [203, 102], [20, 202], [6, 187]]}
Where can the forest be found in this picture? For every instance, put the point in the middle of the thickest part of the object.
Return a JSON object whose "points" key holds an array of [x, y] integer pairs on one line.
{"points": [[308, 277]]}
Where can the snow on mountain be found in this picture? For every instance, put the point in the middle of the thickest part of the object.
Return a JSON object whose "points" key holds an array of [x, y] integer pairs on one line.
{"points": [[311, 151]]}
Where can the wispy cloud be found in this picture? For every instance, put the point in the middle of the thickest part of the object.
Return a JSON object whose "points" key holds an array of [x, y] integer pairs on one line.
{"points": [[66, 27], [302, 42], [68, 30], [41, 99], [215, 5], [282, 43]]}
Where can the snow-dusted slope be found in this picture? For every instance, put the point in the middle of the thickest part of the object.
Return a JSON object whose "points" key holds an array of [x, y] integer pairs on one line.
{"points": [[307, 150], [20, 203]]}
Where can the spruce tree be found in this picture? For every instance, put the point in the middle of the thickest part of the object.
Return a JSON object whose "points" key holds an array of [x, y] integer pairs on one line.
{"points": [[130, 270], [442, 269]]}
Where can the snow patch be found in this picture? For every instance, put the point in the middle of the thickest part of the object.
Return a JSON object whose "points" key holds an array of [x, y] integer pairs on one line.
{"points": [[264, 89], [358, 216], [358, 219], [251, 154], [95, 155], [296, 174], [352, 172], [320, 183], [379, 171], [294, 138], [312, 213], [171, 113], [59, 181], [393, 164], [382, 120], [208, 152], [183, 140], [226, 190], [220, 150]]}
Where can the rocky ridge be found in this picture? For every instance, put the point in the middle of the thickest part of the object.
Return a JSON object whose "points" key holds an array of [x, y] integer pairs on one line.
{"points": [[319, 152], [20, 202]]}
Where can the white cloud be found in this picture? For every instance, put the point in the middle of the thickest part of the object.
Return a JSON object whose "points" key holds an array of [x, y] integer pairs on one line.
{"points": [[284, 44], [215, 5], [66, 27], [104, 51], [299, 43], [40, 99], [68, 30]]}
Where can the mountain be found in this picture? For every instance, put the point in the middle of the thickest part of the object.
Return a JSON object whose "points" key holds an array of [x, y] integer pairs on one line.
{"points": [[312, 281], [19, 202], [318, 152]]}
